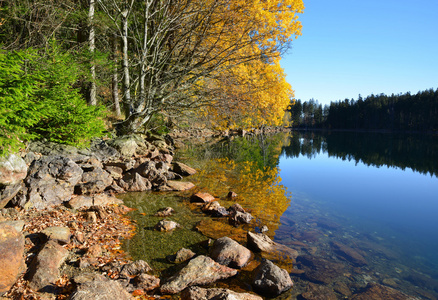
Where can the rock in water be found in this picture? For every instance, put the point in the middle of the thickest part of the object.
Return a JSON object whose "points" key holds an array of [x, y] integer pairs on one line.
{"points": [[11, 256], [199, 271], [182, 169], [197, 293], [349, 254], [230, 253], [201, 198], [271, 280], [165, 225], [261, 242]]}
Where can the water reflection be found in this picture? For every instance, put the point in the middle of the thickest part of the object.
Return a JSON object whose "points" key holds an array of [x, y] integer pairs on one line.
{"points": [[373, 224], [344, 222], [417, 152]]}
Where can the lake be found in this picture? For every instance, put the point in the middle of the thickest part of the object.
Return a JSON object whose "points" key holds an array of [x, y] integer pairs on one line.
{"points": [[359, 207]]}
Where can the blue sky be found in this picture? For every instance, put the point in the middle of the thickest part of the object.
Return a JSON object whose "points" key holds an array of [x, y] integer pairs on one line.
{"points": [[352, 47]]}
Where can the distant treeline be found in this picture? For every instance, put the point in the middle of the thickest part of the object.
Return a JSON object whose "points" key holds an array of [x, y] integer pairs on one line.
{"points": [[415, 151], [403, 112]]}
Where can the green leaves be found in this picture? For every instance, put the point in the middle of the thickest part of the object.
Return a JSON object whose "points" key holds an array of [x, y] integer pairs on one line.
{"points": [[38, 99]]}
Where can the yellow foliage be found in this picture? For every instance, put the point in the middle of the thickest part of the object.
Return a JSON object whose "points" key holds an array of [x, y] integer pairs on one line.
{"points": [[252, 91], [259, 190]]}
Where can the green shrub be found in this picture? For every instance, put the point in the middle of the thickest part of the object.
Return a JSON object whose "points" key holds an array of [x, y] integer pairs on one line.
{"points": [[38, 100]]}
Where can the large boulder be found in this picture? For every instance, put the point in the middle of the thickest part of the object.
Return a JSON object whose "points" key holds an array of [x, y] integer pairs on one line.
{"points": [[134, 182], [230, 253], [261, 242], [199, 271], [94, 180], [44, 270], [155, 173], [270, 279], [13, 169], [51, 181], [96, 286], [83, 201], [11, 256], [197, 293]]}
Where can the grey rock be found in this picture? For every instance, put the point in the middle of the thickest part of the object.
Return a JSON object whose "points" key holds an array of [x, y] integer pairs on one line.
{"points": [[51, 181], [165, 212], [199, 271], [103, 151], [8, 192], [230, 253], [13, 169], [134, 182], [44, 269], [94, 181], [240, 218], [198, 293], [59, 234], [215, 209], [147, 282], [136, 268], [181, 255], [96, 286], [271, 280], [166, 225], [18, 224]]}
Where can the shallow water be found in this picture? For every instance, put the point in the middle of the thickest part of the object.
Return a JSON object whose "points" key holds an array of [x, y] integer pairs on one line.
{"points": [[375, 194]]}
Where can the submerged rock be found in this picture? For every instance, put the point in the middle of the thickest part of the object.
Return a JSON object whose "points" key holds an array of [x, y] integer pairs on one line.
{"points": [[379, 292], [165, 212], [197, 293], [271, 280], [349, 253], [199, 271], [261, 242], [318, 292]]}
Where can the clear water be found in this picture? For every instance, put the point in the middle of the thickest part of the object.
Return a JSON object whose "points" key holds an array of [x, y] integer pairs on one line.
{"points": [[381, 203], [375, 193]]}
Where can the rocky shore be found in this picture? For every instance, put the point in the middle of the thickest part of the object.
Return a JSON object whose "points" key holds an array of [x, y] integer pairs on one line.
{"points": [[61, 229]]}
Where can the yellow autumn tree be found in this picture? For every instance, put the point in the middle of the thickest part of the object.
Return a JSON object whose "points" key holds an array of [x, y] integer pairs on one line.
{"points": [[250, 90]]}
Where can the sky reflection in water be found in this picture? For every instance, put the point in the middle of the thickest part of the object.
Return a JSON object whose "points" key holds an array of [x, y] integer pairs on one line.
{"points": [[399, 205]]}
